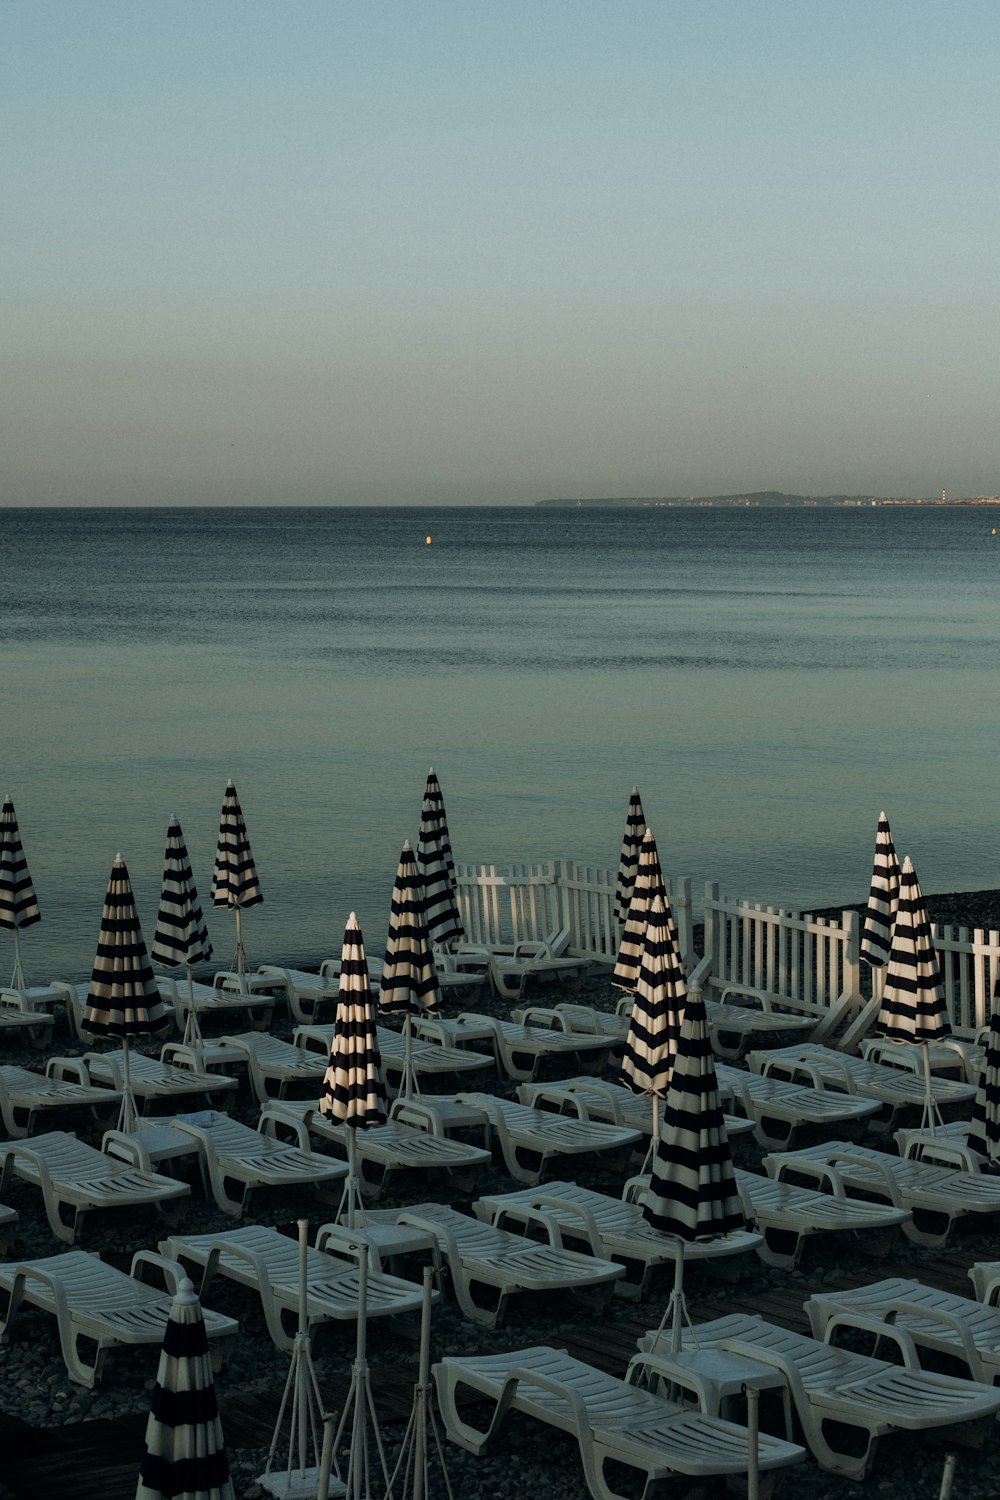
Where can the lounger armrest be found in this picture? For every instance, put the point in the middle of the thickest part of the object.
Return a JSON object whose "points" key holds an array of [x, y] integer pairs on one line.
{"points": [[990, 1296], [17, 1150], [941, 1152], [122, 1145], [534, 1211], [624, 1005], [749, 1349], [950, 1320], [795, 1070], [880, 1329], [578, 1018], [68, 1069], [761, 996], [269, 1119], [826, 1176], [414, 1112], [345, 1244], [555, 1094], [54, 1283], [644, 1364], [104, 1063], [171, 1272], [540, 1015]]}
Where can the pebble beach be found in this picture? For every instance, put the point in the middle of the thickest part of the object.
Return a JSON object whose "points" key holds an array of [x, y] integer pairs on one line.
{"points": [[530, 1458]]}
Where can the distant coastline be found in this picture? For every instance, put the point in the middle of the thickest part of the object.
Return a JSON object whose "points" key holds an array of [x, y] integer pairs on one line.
{"points": [[770, 498]]}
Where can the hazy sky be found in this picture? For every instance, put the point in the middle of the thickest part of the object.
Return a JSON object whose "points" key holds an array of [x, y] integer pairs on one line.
{"points": [[398, 251]]}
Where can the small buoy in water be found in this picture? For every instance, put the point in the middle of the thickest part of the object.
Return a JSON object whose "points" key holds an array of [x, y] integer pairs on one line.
{"points": [[428, 540], [993, 532]]}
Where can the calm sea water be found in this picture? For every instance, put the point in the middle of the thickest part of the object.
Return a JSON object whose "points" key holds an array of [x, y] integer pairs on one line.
{"points": [[768, 678]]}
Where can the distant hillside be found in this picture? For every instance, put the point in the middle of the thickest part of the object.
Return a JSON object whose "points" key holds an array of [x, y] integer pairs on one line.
{"points": [[755, 497]]}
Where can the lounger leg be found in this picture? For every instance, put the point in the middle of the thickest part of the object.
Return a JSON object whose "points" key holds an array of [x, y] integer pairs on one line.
{"points": [[472, 1439]]}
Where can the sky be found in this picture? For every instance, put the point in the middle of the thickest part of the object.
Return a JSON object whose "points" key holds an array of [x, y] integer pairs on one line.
{"points": [[468, 252]]}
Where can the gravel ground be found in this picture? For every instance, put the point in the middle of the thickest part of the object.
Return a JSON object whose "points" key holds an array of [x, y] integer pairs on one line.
{"points": [[531, 1459]]}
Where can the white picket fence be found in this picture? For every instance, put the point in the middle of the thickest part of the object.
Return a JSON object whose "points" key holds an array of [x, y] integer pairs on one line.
{"points": [[515, 902], [814, 962]]}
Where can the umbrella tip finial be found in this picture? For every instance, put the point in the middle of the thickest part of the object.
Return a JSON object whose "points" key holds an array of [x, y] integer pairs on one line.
{"points": [[407, 848], [118, 858], [352, 920]]}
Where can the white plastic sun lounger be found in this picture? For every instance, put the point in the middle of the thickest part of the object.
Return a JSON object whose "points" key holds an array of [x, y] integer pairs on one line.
{"points": [[235, 1160], [936, 1195], [428, 1059], [19, 1024], [734, 1022], [599, 1099], [787, 1216], [78, 1177], [613, 1421], [500, 1264], [959, 1326], [833, 1389], [211, 1000], [530, 1138], [519, 1049], [311, 998], [268, 1263], [154, 1080], [586, 1018], [895, 1089], [98, 1308], [777, 1108], [611, 1228], [399, 1145], [274, 1066], [25, 1096]]}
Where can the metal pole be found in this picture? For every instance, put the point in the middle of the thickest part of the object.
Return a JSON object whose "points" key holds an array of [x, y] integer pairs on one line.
{"points": [[423, 1383], [753, 1456], [301, 1393], [948, 1477]]}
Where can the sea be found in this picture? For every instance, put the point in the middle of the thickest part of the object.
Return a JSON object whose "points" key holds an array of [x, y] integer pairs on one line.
{"points": [[770, 679]]}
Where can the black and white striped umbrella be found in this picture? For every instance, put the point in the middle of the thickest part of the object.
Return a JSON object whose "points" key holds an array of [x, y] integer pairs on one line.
{"points": [[123, 1001], [657, 1012], [883, 898], [648, 885], [635, 827], [18, 904], [984, 1137], [352, 1089], [437, 868], [185, 1456], [181, 936], [234, 878], [913, 1006], [693, 1190], [409, 978]]}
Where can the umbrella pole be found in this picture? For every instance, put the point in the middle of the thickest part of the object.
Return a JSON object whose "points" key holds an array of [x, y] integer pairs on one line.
{"points": [[127, 1119], [753, 1442], [17, 978], [409, 1081], [241, 958], [192, 1031], [675, 1313], [930, 1109]]}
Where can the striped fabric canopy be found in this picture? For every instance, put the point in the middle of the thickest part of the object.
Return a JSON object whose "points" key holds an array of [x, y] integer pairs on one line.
{"points": [[693, 1190], [635, 827], [18, 906], [181, 936], [234, 879], [123, 1000], [883, 898], [913, 1007], [984, 1137], [185, 1457], [409, 978], [352, 1085], [437, 868], [648, 884], [657, 1009]]}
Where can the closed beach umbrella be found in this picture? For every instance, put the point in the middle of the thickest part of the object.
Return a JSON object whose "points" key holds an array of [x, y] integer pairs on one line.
{"points": [[635, 827], [984, 1137], [913, 1007], [437, 868], [185, 1456], [409, 978], [883, 898], [18, 905], [234, 879], [657, 1013], [181, 936], [352, 1089], [692, 1194], [648, 885], [123, 1000]]}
